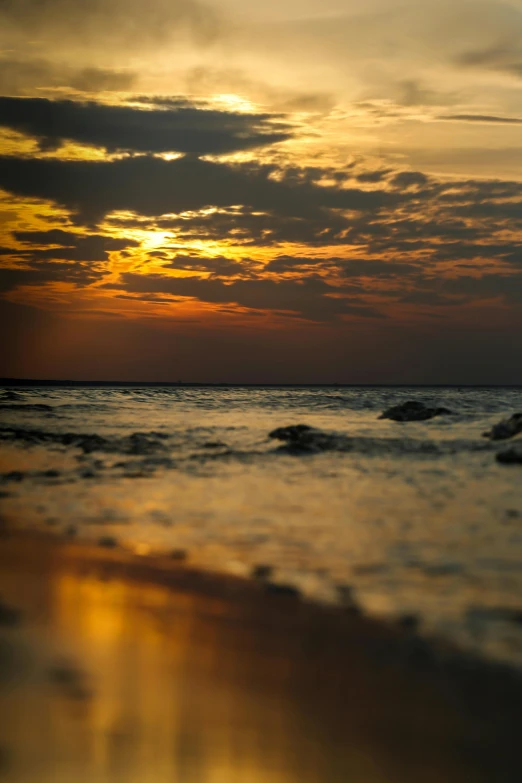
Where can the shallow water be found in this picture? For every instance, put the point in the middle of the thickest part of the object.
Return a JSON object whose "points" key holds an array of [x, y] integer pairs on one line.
{"points": [[416, 517]]}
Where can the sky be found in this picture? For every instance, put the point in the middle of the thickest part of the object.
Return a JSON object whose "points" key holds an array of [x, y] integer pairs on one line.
{"points": [[300, 191]]}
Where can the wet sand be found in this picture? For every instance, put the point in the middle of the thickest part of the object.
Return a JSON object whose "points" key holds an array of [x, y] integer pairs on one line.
{"points": [[117, 668]]}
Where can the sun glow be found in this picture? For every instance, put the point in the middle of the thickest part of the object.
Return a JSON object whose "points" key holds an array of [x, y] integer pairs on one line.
{"points": [[232, 102]]}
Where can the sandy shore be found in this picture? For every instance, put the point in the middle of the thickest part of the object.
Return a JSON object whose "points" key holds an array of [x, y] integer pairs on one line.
{"points": [[116, 668]]}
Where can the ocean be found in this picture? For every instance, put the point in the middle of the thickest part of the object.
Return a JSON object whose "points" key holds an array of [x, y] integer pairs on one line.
{"points": [[417, 522]]}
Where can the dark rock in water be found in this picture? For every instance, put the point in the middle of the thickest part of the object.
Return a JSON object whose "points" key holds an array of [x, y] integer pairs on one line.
{"points": [[507, 428], [419, 654], [14, 475], [346, 596], [48, 474], [69, 680], [108, 541], [287, 591], [215, 444], [143, 443], [88, 474], [302, 439], [503, 614], [292, 432], [413, 410], [410, 622], [5, 759], [8, 615], [512, 456], [87, 443], [179, 555], [262, 572]]}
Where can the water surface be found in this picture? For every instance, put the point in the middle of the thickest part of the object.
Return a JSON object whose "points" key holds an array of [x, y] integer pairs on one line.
{"points": [[414, 517]]}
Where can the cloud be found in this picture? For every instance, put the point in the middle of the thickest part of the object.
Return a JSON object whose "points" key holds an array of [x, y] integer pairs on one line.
{"points": [[40, 274], [21, 75], [311, 297], [504, 56], [507, 287], [412, 92], [211, 80], [58, 256], [151, 187], [218, 266], [95, 24], [71, 246], [179, 128], [487, 119]]}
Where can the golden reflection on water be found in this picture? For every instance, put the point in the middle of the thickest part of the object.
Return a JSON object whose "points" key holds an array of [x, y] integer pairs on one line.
{"points": [[110, 679]]}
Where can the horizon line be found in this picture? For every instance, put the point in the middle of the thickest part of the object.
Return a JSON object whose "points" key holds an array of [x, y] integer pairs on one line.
{"points": [[8, 381]]}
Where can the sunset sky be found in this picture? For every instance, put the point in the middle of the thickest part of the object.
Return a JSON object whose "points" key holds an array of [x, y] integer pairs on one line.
{"points": [[291, 191]]}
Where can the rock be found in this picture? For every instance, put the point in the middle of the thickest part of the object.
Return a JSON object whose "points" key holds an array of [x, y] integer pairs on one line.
{"points": [[88, 474], [68, 679], [291, 432], [512, 456], [178, 554], [507, 428], [108, 541], [413, 410], [9, 616], [346, 597], [287, 591], [50, 474], [408, 621], [504, 614], [302, 439], [14, 475], [262, 572]]}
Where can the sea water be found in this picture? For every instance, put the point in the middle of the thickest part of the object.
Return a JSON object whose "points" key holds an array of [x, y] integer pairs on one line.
{"points": [[408, 518]]}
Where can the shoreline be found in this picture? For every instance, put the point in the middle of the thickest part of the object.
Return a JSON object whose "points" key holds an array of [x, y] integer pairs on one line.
{"points": [[366, 689]]}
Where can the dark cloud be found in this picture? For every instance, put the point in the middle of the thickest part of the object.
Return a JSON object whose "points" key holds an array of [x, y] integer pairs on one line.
{"points": [[430, 299], [40, 274], [260, 228], [218, 266], [504, 55], [506, 287], [78, 259], [363, 267], [409, 240], [490, 119], [151, 187], [408, 179], [180, 128], [348, 267], [312, 297], [72, 246]]}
